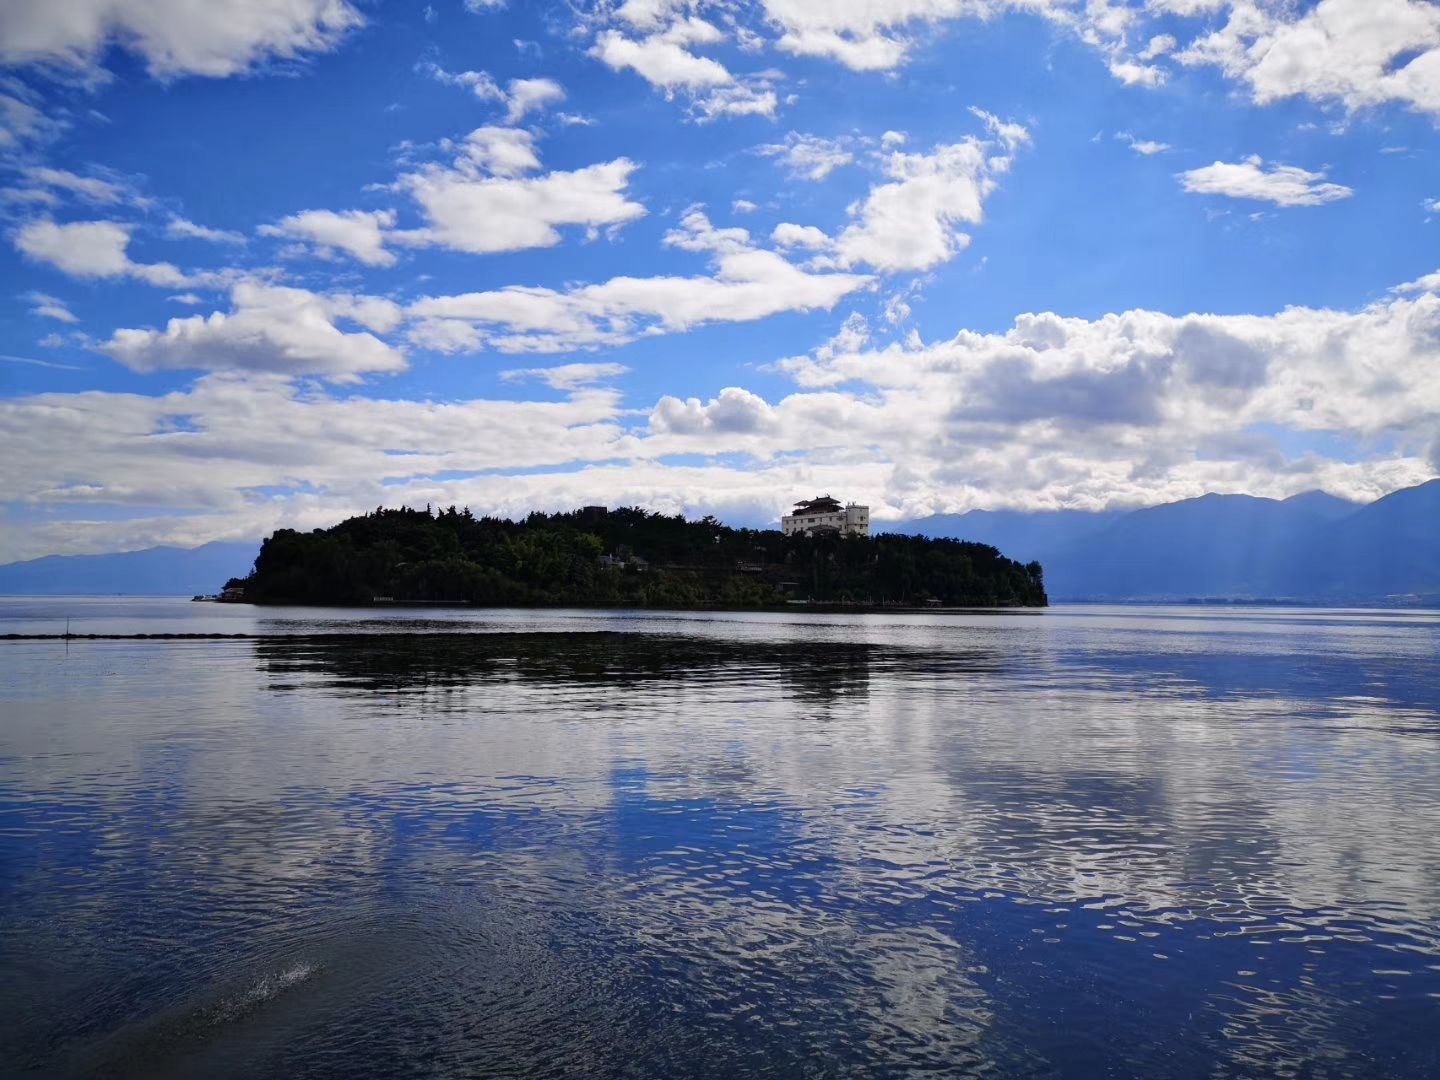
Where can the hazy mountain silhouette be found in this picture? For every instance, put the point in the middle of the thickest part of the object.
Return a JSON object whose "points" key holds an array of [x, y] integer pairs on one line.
{"points": [[157, 571], [1018, 534], [1313, 547], [1390, 546]]}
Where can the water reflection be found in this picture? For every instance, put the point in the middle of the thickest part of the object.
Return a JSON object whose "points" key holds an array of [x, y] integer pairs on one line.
{"points": [[1208, 847]]}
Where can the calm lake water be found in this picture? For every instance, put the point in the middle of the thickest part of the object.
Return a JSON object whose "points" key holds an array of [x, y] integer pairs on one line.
{"points": [[1078, 842]]}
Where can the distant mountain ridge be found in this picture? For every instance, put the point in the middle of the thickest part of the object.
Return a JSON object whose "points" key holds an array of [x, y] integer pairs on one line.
{"points": [[1312, 547], [157, 571]]}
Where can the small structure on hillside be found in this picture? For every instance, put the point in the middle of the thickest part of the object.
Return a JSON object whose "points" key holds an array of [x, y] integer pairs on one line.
{"points": [[825, 514]]}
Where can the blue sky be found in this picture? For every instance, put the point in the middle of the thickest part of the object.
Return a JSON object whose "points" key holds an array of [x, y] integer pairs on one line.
{"points": [[275, 264]]}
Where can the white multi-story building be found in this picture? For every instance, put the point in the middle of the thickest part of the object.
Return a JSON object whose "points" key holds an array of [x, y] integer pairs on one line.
{"points": [[824, 514]]}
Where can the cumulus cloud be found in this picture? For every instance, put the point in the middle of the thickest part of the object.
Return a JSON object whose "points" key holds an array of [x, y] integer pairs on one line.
{"points": [[358, 233], [520, 97], [879, 35], [1130, 408], [529, 95], [750, 96], [1170, 377], [270, 328], [208, 447], [1359, 53], [735, 410], [748, 283], [171, 37], [1283, 185], [810, 157], [91, 249], [484, 201], [912, 222], [665, 58], [789, 235]]}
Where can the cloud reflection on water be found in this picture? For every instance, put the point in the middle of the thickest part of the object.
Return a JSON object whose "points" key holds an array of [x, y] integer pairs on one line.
{"points": [[1207, 845]]}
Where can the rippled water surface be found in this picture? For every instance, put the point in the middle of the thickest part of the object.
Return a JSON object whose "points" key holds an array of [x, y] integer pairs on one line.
{"points": [[1086, 841]]}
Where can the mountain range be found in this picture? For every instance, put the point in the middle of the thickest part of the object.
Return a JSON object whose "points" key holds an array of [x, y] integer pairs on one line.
{"points": [[1312, 548], [157, 571]]}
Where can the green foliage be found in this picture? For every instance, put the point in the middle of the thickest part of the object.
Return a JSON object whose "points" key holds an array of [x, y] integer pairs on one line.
{"points": [[627, 557]]}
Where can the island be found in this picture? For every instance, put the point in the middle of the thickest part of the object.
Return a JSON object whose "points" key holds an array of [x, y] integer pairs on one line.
{"points": [[624, 557]]}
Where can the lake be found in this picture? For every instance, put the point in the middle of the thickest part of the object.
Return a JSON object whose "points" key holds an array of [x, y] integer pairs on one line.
{"points": [[1074, 842]]}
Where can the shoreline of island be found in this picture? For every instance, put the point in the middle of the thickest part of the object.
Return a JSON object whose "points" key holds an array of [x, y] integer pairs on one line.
{"points": [[628, 558]]}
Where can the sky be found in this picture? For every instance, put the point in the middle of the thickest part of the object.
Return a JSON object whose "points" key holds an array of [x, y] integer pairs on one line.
{"points": [[270, 263]]}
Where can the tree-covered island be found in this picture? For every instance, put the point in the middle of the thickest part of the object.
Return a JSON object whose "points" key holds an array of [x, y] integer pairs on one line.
{"points": [[625, 557]]}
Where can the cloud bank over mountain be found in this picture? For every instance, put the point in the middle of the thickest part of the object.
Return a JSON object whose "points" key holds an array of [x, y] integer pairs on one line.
{"points": [[704, 256]]}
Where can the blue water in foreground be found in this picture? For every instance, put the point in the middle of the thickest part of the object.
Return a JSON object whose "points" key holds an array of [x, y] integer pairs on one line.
{"points": [[1078, 842]]}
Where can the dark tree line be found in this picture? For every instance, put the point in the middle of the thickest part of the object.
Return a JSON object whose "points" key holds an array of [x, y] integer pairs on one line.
{"points": [[624, 557]]}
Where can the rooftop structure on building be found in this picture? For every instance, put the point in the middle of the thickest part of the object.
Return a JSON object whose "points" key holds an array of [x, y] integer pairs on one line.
{"points": [[816, 516]]}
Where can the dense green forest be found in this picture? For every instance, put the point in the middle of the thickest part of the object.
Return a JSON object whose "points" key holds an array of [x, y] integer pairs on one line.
{"points": [[622, 557]]}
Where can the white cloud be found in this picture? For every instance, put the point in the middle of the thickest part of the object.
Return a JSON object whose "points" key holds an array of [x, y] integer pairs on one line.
{"points": [[789, 235], [173, 37], [184, 229], [529, 95], [879, 35], [1134, 74], [50, 307], [748, 97], [21, 121], [663, 59], [358, 233], [1360, 53], [1007, 133], [743, 206], [1131, 408], [496, 150], [30, 196], [207, 448], [862, 36], [1147, 147], [482, 202], [911, 223], [748, 283], [1284, 185], [735, 410], [91, 249], [567, 376], [93, 189], [520, 96], [269, 328], [1159, 45], [811, 157]]}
